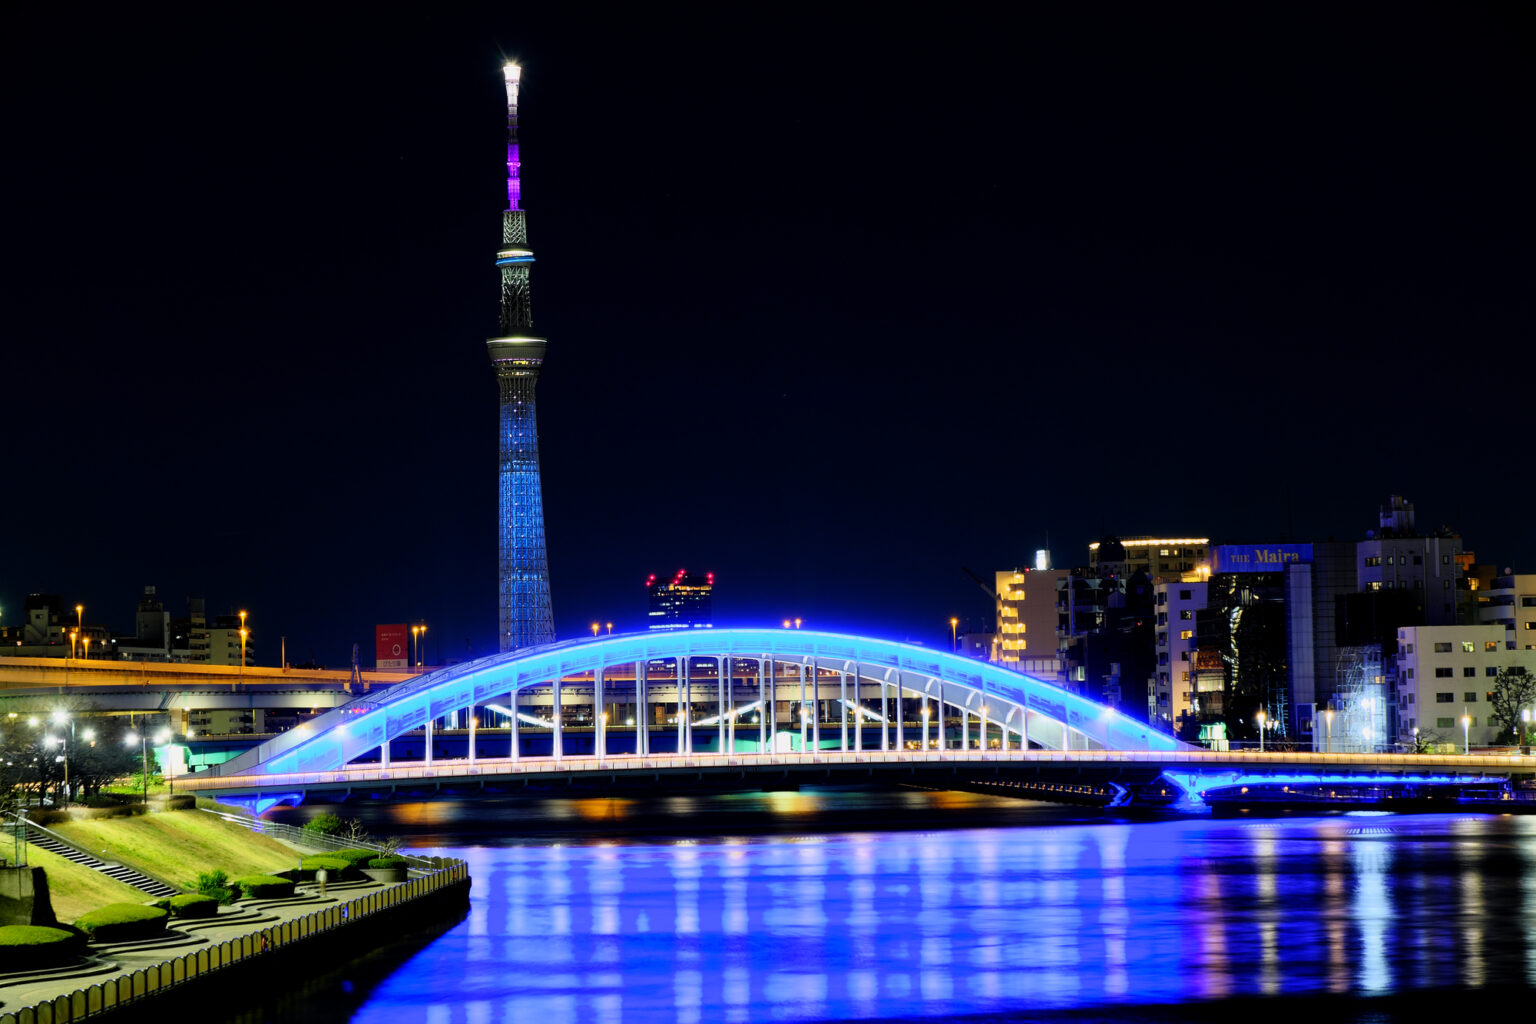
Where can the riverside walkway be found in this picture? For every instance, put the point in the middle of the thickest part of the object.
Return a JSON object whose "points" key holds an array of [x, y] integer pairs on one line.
{"points": [[112, 975]]}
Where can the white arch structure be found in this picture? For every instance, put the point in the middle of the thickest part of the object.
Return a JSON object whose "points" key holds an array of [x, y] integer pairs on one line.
{"points": [[1020, 707]]}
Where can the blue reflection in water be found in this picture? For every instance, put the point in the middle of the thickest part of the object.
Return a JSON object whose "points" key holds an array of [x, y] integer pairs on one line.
{"points": [[977, 921]]}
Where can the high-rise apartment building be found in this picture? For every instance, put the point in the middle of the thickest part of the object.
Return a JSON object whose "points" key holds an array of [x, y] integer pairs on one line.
{"points": [[686, 601]]}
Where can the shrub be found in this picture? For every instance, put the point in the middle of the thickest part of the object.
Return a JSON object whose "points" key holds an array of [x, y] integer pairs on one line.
{"points": [[27, 945], [180, 802], [334, 867], [215, 883], [388, 862], [193, 905], [120, 922], [326, 823], [264, 887], [353, 857], [103, 800]]}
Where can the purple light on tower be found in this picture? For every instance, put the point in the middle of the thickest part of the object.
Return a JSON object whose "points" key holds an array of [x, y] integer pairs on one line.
{"points": [[513, 75]]}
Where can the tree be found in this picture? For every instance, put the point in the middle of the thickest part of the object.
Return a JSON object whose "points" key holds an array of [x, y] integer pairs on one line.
{"points": [[1513, 691]]}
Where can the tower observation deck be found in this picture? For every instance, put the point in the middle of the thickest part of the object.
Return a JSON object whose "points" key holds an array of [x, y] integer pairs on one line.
{"points": [[517, 354]]}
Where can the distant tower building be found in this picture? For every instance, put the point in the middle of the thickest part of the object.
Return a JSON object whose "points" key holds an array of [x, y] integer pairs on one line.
{"points": [[684, 603], [523, 570]]}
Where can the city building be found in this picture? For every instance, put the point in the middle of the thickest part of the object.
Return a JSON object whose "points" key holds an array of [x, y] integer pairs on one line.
{"points": [[1510, 601], [1397, 557], [1171, 696], [1445, 673], [224, 641], [526, 614], [1156, 556], [684, 602], [1105, 635], [1026, 619]]}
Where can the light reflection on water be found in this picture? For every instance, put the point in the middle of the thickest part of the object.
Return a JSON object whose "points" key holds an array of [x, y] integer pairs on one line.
{"points": [[987, 921]]}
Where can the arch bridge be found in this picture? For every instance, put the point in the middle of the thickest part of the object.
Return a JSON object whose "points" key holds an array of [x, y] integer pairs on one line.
{"points": [[770, 691]]}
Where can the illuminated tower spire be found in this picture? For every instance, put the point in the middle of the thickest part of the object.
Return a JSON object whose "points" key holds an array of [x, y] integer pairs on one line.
{"points": [[523, 570]]}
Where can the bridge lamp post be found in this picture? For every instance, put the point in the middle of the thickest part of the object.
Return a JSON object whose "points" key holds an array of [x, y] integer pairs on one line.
{"points": [[86, 642], [610, 629], [415, 644], [1328, 719], [1261, 719], [954, 635], [80, 618], [1466, 732], [594, 628]]}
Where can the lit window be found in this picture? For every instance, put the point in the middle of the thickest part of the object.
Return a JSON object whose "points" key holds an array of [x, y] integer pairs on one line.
{"points": [[1466, 645], [1185, 634]]}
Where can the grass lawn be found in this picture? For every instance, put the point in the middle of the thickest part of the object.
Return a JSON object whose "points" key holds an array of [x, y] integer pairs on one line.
{"points": [[76, 890], [176, 845]]}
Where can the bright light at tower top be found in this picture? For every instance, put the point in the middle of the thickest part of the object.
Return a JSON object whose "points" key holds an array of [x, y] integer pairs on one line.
{"points": [[513, 74]]}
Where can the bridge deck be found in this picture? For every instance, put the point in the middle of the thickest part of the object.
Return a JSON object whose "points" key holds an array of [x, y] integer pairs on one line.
{"points": [[1502, 765]]}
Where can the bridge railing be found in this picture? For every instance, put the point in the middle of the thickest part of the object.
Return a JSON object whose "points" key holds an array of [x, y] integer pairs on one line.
{"points": [[1315, 763]]}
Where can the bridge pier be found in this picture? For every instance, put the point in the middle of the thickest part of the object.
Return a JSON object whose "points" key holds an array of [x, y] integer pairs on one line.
{"points": [[939, 714], [901, 736], [556, 747], [512, 735], [816, 718], [428, 757], [474, 721], [842, 705]]}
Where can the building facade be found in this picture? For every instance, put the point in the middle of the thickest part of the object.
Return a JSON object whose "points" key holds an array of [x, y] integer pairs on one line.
{"points": [[686, 601], [1447, 673]]}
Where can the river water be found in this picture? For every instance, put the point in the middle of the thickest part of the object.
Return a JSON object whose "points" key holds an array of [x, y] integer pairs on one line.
{"points": [[855, 905]]}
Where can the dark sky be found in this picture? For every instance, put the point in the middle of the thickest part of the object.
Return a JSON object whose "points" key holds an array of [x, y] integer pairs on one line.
{"points": [[834, 307]]}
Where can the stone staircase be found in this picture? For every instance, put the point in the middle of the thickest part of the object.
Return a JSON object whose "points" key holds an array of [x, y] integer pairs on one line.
{"points": [[46, 840]]}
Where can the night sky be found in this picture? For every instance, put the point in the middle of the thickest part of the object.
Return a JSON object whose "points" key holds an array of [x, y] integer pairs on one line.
{"points": [[834, 307]]}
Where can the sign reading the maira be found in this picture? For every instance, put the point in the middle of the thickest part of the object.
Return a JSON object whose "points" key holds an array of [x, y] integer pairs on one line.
{"points": [[1258, 557]]}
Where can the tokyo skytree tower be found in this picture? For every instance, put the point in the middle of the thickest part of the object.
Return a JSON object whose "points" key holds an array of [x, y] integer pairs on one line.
{"points": [[517, 355]]}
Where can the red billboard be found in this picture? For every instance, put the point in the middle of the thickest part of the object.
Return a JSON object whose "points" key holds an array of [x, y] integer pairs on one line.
{"points": [[392, 646]]}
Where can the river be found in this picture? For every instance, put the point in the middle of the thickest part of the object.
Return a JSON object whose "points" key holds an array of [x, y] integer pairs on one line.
{"points": [[837, 905]]}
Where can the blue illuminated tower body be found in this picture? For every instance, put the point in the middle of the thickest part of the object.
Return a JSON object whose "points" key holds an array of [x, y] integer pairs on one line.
{"points": [[523, 570]]}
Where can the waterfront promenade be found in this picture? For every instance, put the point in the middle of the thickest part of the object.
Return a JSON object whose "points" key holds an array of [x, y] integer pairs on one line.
{"points": [[113, 975]]}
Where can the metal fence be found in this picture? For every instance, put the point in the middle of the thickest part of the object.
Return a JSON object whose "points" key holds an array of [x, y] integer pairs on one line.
{"points": [[311, 838]]}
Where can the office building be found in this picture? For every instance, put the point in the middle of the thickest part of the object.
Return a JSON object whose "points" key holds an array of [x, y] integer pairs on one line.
{"points": [[685, 601]]}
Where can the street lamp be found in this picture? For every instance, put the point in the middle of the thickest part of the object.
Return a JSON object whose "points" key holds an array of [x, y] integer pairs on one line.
{"points": [[80, 617], [954, 636], [74, 635], [1261, 716], [1466, 732], [243, 634], [1328, 718], [610, 629], [418, 645], [415, 644], [595, 627], [86, 641]]}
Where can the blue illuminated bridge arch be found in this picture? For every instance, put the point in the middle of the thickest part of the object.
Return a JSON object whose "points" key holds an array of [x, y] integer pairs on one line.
{"points": [[1026, 711]]}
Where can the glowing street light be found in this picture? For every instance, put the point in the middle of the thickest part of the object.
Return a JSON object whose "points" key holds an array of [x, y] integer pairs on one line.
{"points": [[954, 635], [1466, 732], [1261, 718], [1328, 718], [610, 629], [80, 617], [86, 641], [595, 627]]}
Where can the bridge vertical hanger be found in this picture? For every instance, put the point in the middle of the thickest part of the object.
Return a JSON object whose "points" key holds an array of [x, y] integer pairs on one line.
{"points": [[642, 701], [599, 715]]}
